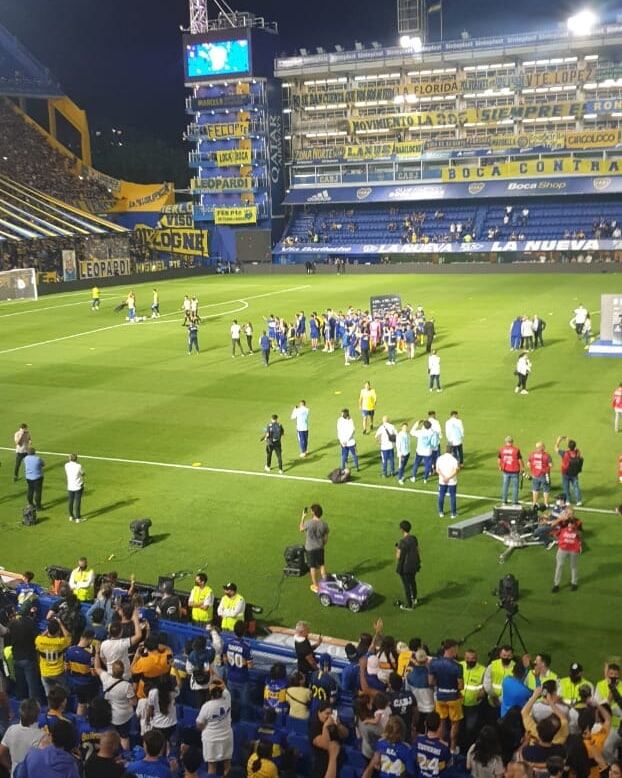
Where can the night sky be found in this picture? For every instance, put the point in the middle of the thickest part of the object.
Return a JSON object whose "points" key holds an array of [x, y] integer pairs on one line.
{"points": [[121, 59]]}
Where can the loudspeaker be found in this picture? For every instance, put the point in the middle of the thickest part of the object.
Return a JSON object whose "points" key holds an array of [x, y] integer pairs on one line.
{"points": [[29, 516], [140, 533], [295, 563]]}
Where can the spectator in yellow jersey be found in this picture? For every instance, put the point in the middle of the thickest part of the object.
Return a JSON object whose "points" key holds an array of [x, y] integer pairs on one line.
{"points": [[51, 646], [155, 305]]}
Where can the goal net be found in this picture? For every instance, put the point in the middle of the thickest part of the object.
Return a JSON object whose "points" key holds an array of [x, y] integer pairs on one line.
{"points": [[18, 284]]}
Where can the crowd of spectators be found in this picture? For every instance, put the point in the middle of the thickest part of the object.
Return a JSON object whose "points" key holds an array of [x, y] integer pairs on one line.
{"points": [[99, 693], [27, 158]]}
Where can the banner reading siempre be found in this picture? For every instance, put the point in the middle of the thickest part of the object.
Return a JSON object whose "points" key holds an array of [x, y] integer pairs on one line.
{"points": [[104, 268], [535, 167], [229, 130], [235, 215], [227, 157], [173, 240]]}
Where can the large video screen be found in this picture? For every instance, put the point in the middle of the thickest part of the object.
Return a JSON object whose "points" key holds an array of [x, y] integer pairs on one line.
{"points": [[217, 58]]}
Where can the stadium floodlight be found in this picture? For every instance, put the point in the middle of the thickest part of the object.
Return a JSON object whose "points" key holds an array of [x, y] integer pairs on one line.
{"points": [[320, 50], [582, 23], [375, 45], [338, 47], [303, 52], [412, 42], [358, 46]]}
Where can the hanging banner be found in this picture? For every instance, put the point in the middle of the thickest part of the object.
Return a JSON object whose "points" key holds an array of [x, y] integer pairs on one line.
{"points": [[104, 268], [235, 215], [528, 111], [402, 149], [218, 101], [605, 106], [227, 157], [337, 96], [562, 166], [565, 76], [220, 184], [176, 220], [142, 197], [409, 149], [70, 269], [592, 139], [174, 241], [440, 86], [369, 151], [229, 130], [473, 83], [405, 121]]}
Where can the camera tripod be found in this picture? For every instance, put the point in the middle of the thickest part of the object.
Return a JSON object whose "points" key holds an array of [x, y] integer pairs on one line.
{"points": [[509, 626]]}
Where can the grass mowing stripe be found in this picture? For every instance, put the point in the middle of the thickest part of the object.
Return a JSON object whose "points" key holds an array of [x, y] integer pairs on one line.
{"points": [[284, 477]]}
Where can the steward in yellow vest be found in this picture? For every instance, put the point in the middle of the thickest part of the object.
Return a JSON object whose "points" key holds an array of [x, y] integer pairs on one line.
{"points": [[82, 580], [231, 607], [568, 687], [496, 671], [201, 600]]}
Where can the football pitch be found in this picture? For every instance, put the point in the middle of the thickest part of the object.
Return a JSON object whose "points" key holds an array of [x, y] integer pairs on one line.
{"points": [[176, 438]]}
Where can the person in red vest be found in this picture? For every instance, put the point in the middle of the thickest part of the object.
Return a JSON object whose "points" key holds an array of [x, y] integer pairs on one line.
{"points": [[568, 548], [511, 466], [616, 404], [540, 468]]}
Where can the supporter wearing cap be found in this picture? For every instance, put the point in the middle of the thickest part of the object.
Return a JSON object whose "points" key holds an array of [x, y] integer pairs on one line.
{"points": [[169, 606], [231, 607], [570, 685], [417, 681], [324, 687]]}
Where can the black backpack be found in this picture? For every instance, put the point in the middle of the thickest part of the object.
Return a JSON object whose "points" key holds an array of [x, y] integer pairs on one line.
{"points": [[275, 432], [575, 464], [29, 516]]}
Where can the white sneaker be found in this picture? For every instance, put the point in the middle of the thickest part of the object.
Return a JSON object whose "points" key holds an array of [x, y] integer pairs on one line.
{"points": [[516, 390], [280, 472], [413, 480], [266, 468], [579, 504], [524, 391], [441, 515], [400, 481]]}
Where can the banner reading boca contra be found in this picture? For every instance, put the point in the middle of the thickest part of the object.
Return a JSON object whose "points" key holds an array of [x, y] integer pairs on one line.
{"points": [[104, 268], [236, 215], [228, 130], [226, 157], [406, 121], [561, 166], [174, 240]]}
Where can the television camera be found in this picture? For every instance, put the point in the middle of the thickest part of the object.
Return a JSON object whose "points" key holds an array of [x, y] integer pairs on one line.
{"points": [[513, 526]]}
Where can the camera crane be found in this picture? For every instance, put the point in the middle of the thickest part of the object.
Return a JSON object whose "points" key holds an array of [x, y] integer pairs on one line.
{"points": [[513, 540]]}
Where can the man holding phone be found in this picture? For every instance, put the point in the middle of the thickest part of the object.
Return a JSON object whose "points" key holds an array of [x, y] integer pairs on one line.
{"points": [[316, 537]]}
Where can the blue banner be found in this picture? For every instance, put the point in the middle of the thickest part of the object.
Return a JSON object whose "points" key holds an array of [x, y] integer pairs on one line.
{"points": [[395, 193], [476, 247]]}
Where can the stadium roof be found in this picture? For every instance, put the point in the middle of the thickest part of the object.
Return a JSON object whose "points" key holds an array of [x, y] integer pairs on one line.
{"points": [[21, 73], [28, 214]]}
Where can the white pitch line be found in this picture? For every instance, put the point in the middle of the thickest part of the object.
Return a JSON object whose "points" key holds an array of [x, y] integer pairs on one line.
{"points": [[284, 477], [172, 313], [84, 302]]}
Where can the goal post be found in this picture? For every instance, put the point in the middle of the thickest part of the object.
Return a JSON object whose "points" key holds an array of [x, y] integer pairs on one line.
{"points": [[19, 284]]}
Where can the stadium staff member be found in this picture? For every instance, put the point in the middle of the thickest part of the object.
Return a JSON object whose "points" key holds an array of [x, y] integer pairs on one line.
{"points": [[231, 607], [75, 487], [316, 537], [33, 470], [570, 684], [568, 548], [201, 600], [23, 442], [273, 435], [473, 695], [82, 581], [540, 469], [616, 404], [408, 564], [511, 465], [496, 671]]}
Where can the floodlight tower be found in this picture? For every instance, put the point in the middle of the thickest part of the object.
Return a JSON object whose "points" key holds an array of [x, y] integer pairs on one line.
{"points": [[199, 15], [412, 20]]}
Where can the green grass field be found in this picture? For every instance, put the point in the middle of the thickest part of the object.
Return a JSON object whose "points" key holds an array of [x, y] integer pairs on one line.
{"points": [[85, 382]]}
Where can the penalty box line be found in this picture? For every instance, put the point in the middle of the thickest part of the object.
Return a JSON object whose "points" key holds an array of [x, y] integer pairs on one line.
{"points": [[153, 321], [285, 477]]}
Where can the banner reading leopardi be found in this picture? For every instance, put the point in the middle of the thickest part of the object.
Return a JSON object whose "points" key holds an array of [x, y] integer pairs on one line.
{"points": [[174, 240], [235, 215], [535, 167], [104, 268]]}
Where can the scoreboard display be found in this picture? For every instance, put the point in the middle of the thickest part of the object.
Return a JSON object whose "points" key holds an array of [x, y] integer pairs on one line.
{"points": [[380, 305]]}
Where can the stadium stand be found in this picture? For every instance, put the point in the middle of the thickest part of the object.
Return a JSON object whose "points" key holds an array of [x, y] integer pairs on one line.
{"points": [[29, 159]]}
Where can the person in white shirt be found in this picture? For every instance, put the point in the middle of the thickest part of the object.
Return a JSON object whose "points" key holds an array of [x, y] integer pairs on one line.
{"points": [[23, 442], [526, 333], [447, 468], [345, 435], [186, 308], [119, 692], [578, 320], [523, 368], [426, 439], [387, 435], [162, 712], [75, 487], [454, 432], [20, 738], [436, 427], [402, 446], [434, 371], [235, 338], [194, 307], [116, 647], [214, 723], [300, 415], [248, 331]]}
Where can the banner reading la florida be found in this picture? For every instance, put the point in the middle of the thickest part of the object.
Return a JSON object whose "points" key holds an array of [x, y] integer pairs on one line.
{"points": [[235, 215], [536, 167]]}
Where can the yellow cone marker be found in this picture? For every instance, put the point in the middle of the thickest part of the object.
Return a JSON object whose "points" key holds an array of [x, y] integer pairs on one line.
{"points": [[197, 464]]}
